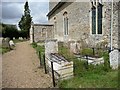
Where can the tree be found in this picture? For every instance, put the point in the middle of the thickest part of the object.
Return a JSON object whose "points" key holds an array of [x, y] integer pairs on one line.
{"points": [[25, 22], [9, 31]]}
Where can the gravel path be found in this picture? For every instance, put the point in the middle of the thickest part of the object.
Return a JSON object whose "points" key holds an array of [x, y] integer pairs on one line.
{"points": [[20, 69]]}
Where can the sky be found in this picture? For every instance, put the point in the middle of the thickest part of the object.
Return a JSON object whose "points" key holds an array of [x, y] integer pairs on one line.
{"points": [[12, 11]]}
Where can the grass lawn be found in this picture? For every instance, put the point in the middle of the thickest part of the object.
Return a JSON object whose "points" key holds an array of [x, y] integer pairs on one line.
{"points": [[89, 76], [4, 50], [40, 49], [92, 80], [86, 76]]}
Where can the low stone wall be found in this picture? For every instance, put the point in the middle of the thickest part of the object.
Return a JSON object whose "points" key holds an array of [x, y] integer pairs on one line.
{"points": [[41, 32]]}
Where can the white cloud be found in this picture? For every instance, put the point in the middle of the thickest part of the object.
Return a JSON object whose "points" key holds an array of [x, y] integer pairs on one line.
{"points": [[39, 11], [25, 0], [12, 11]]}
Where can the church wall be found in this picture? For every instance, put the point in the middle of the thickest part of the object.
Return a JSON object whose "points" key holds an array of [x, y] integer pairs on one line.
{"points": [[79, 23], [42, 32]]}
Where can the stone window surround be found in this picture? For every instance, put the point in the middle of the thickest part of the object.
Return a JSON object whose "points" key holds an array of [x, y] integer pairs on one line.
{"points": [[55, 25], [42, 32], [65, 16], [94, 2]]}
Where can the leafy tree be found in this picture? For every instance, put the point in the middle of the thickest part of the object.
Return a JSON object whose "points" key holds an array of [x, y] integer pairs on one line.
{"points": [[9, 31], [25, 22], [23, 34]]}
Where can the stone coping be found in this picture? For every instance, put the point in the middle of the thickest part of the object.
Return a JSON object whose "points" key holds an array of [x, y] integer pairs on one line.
{"points": [[43, 24], [48, 40]]}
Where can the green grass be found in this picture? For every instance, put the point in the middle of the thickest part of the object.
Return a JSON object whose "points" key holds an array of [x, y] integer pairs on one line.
{"points": [[87, 51], [64, 51], [89, 76], [38, 49], [4, 50], [92, 80]]}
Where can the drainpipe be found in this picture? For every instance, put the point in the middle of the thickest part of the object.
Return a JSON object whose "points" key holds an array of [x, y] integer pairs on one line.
{"points": [[111, 30], [96, 16]]}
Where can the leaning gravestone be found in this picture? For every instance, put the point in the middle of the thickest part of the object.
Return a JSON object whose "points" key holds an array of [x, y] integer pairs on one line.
{"points": [[114, 59], [12, 44]]}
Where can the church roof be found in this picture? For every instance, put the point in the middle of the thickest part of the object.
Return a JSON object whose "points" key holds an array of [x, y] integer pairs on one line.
{"points": [[55, 8]]}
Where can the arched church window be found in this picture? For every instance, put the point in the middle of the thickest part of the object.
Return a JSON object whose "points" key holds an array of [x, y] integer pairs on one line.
{"points": [[96, 17], [65, 23], [55, 25]]}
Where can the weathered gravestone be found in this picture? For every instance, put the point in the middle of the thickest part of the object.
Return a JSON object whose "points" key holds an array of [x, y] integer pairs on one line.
{"points": [[74, 47], [114, 59], [5, 43]]}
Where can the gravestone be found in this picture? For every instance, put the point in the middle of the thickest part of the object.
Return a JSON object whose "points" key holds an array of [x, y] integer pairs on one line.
{"points": [[74, 47], [5, 42], [114, 59], [51, 46]]}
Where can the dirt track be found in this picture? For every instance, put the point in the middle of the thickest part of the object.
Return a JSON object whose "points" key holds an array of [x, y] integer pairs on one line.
{"points": [[20, 69]]}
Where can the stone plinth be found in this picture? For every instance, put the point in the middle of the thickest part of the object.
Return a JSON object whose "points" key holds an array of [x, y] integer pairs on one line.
{"points": [[62, 68]]}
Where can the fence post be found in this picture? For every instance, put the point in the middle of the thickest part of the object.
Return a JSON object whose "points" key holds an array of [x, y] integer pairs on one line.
{"points": [[93, 51], [40, 58], [87, 62], [44, 64], [53, 78]]}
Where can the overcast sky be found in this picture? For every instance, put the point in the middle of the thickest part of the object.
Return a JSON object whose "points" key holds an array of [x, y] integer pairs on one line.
{"points": [[12, 10]]}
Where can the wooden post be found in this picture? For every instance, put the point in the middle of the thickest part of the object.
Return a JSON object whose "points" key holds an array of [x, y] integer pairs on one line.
{"points": [[44, 64], [93, 51], [53, 78], [87, 62]]}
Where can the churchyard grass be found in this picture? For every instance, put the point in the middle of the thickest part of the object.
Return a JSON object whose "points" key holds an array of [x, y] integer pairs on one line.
{"points": [[4, 49], [38, 49], [92, 80], [89, 76]]}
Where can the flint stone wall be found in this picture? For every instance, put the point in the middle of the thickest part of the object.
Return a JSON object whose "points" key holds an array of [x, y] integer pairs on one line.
{"points": [[41, 32], [79, 23]]}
